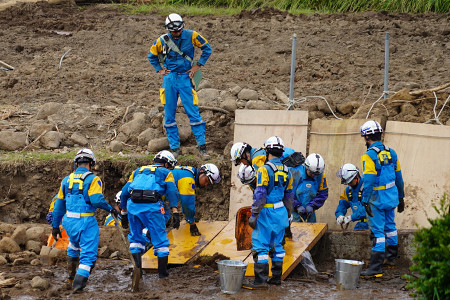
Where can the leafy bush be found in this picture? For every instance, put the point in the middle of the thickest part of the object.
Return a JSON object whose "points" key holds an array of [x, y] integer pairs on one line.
{"points": [[432, 258]]}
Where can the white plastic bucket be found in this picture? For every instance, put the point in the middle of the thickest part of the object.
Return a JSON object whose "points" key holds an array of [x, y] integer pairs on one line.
{"points": [[231, 274], [347, 273]]}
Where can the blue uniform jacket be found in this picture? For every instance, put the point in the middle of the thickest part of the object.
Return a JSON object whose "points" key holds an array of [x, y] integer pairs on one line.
{"points": [[379, 180], [350, 198], [185, 179], [186, 43], [311, 191], [92, 194]]}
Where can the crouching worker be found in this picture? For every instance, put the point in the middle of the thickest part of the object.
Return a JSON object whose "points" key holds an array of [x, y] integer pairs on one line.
{"points": [[78, 198], [351, 198], [142, 197], [271, 210], [186, 179]]}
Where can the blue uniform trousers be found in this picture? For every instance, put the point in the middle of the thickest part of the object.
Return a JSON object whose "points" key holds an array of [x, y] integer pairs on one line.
{"points": [[382, 225], [175, 84], [83, 235]]}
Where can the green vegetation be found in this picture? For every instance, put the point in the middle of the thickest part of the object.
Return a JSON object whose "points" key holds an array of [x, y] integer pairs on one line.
{"points": [[227, 7], [432, 258]]}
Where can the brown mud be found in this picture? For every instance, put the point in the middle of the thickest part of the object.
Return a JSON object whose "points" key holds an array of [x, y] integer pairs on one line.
{"points": [[106, 77]]}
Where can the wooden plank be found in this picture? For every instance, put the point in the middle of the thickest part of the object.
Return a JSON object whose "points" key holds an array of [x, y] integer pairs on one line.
{"points": [[183, 246], [304, 237], [225, 243], [423, 151], [339, 142], [255, 127]]}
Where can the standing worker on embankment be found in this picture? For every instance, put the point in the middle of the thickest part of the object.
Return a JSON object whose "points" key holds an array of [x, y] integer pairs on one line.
{"points": [[175, 50], [383, 192], [78, 198]]}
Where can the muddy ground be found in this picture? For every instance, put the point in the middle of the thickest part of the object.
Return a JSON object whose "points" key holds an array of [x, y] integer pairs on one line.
{"points": [[106, 78]]}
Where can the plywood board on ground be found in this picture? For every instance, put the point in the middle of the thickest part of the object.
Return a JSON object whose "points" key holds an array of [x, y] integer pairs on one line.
{"points": [[183, 246], [255, 127], [225, 243], [304, 237], [339, 142], [424, 154]]}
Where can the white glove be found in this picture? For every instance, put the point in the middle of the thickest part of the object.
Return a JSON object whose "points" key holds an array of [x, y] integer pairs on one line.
{"points": [[347, 219], [340, 220]]}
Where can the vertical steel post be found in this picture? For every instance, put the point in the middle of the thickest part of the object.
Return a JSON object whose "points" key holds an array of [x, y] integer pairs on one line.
{"points": [[291, 84], [386, 66]]}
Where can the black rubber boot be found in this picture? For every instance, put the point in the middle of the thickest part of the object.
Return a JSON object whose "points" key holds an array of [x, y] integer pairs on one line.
{"points": [[277, 270], [288, 232], [175, 152], [137, 257], [162, 266], [194, 230], [391, 255], [203, 153], [261, 275], [79, 283], [72, 265], [376, 260]]}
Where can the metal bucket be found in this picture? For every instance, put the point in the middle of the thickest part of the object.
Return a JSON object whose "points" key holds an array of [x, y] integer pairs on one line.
{"points": [[347, 273], [231, 274]]}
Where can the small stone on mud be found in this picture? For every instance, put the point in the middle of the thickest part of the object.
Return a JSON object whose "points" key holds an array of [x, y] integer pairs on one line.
{"points": [[36, 262], [47, 272], [39, 283]]}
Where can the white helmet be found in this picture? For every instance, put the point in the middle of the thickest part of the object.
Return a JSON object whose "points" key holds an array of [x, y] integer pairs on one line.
{"points": [[174, 22], [246, 174], [85, 156], [166, 157], [237, 151], [117, 197], [370, 127], [347, 173], [315, 164], [212, 171], [274, 142]]}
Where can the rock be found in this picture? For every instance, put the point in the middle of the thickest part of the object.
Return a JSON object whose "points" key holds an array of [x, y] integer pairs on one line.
{"points": [[47, 272], [226, 151], [323, 107], [116, 146], [19, 261], [7, 228], [38, 127], [184, 127], [312, 115], [153, 112], [8, 245], [24, 215], [37, 233], [104, 252], [247, 94], [148, 134], [36, 262], [204, 84], [158, 144], [115, 255], [235, 90], [135, 126], [345, 108], [57, 254], [3, 260], [34, 246], [20, 235], [403, 94], [408, 109], [26, 255], [52, 139], [406, 85], [39, 283], [79, 139], [207, 96], [229, 104], [48, 109], [11, 140], [121, 137], [257, 104]]}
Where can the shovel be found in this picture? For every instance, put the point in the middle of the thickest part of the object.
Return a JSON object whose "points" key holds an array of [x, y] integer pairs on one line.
{"points": [[137, 271], [243, 233]]}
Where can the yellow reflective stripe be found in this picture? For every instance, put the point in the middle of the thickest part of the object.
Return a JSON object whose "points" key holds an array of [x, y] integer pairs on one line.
{"points": [[73, 180], [152, 168], [379, 188], [84, 214], [95, 187], [268, 205]]}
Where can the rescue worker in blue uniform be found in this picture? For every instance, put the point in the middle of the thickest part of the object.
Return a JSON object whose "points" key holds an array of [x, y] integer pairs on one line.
{"points": [[383, 192], [109, 220], [79, 196], [186, 179], [177, 72], [312, 189], [351, 198], [242, 152], [142, 196], [271, 211]]}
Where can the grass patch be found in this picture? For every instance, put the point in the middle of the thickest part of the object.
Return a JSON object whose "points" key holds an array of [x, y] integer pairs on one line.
{"points": [[231, 7]]}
